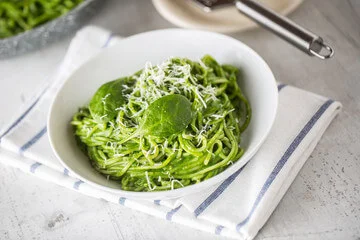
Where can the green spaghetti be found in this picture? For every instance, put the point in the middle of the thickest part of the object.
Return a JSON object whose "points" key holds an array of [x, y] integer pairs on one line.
{"points": [[18, 16], [167, 126]]}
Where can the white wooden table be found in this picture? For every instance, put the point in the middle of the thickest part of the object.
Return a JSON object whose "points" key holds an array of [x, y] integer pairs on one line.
{"points": [[322, 203]]}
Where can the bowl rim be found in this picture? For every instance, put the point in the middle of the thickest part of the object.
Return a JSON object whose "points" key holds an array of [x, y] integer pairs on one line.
{"points": [[175, 193]]}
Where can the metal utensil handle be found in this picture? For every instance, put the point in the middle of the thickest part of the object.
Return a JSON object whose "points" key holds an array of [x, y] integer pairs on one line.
{"points": [[300, 37]]}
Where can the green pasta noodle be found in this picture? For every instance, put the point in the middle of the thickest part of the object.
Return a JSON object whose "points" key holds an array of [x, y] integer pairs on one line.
{"points": [[167, 126], [17, 16]]}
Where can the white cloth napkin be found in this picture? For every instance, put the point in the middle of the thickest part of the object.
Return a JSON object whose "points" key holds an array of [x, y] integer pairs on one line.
{"points": [[237, 208]]}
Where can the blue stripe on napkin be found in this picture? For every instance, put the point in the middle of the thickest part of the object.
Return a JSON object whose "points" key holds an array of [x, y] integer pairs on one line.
{"points": [[111, 35], [66, 172], [17, 121], [33, 140], [285, 157], [34, 166], [171, 213], [218, 191], [218, 229], [122, 200], [77, 184], [281, 86]]}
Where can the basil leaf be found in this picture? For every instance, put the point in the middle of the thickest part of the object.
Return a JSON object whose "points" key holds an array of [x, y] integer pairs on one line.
{"points": [[107, 99], [166, 116]]}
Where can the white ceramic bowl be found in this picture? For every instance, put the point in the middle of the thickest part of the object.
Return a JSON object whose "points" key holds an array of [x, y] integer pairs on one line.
{"points": [[129, 56]]}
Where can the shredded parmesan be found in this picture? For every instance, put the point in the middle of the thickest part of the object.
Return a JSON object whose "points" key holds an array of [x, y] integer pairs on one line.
{"points": [[148, 182], [104, 98], [104, 116], [175, 181]]}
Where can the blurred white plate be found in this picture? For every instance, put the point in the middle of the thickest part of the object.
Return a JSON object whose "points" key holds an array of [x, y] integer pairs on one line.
{"points": [[186, 14], [130, 55]]}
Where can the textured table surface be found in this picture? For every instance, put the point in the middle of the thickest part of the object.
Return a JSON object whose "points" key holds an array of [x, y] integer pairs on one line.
{"points": [[322, 203]]}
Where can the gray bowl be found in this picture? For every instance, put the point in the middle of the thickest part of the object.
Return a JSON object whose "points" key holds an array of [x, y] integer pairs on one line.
{"points": [[48, 32]]}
